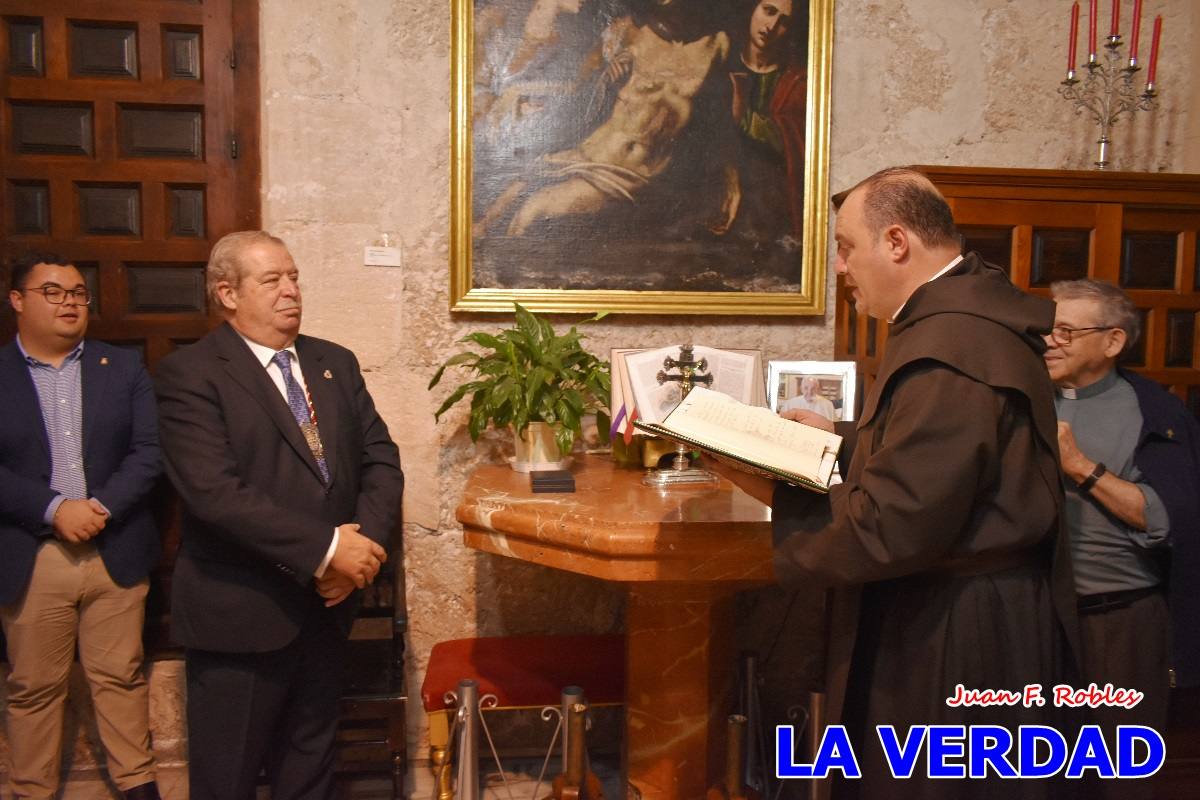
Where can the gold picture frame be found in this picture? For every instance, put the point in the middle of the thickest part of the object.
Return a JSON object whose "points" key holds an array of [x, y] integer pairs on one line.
{"points": [[490, 270]]}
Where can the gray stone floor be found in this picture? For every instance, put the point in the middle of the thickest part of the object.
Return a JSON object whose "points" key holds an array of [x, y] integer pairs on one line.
{"points": [[522, 780]]}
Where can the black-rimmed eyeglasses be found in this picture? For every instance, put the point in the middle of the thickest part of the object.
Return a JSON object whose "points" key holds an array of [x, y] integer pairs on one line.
{"points": [[1063, 335], [58, 295]]}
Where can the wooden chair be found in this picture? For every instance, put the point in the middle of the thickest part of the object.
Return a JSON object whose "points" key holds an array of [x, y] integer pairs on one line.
{"points": [[371, 735]]}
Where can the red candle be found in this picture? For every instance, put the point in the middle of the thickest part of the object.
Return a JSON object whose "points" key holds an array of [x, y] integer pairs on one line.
{"points": [[1137, 29], [1074, 36], [1092, 30], [1116, 21], [1154, 49]]}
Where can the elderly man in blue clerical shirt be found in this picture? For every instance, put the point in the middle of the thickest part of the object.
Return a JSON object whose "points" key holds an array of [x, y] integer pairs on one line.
{"points": [[78, 456], [1130, 453]]}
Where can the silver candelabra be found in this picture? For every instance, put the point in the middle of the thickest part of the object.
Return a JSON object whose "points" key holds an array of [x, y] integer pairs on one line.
{"points": [[1107, 91]]}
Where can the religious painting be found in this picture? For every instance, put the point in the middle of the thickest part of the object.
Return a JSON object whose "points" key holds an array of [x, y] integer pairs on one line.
{"points": [[826, 387], [654, 156]]}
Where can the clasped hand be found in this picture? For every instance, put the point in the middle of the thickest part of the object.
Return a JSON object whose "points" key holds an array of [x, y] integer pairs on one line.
{"points": [[77, 521], [355, 563]]}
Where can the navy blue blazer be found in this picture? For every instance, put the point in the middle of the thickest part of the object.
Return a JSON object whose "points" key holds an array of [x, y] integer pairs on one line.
{"points": [[1168, 454], [121, 457]]}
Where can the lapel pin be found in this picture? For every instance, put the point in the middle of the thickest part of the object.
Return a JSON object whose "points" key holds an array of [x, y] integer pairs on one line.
{"points": [[1170, 433], [328, 375], [104, 361]]}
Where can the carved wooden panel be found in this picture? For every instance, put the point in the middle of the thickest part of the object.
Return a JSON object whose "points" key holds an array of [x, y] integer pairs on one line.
{"points": [[91, 276], [166, 289], [1058, 256], [109, 210], [101, 50], [993, 244], [1148, 260], [185, 205], [160, 132], [25, 48], [30, 202], [1181, 334], [1136, 356], [63, 129], [181, 54]]}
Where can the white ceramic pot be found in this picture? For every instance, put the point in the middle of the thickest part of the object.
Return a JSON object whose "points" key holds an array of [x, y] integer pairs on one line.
{"points": [[536, 449]]}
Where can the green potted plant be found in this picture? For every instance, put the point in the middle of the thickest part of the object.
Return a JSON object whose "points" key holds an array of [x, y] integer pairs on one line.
{"points": [[536, 382]]}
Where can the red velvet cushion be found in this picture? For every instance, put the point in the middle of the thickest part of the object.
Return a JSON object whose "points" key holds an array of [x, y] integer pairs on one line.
{"points": [[528, 670]]}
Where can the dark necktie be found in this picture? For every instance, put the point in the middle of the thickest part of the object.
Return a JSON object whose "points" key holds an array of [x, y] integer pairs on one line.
{"points": [[300, 410]]}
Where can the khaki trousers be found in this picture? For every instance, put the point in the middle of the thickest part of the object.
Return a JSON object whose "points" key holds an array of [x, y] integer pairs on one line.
{"points": [[71, 599]]}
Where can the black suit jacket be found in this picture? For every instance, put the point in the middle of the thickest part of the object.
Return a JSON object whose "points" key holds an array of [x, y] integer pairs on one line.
{"points": [[121, 460], [258, 518]]}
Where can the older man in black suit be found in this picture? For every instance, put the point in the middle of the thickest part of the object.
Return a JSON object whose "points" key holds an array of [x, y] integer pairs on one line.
{"points": [[78, 457], [291, 486]]}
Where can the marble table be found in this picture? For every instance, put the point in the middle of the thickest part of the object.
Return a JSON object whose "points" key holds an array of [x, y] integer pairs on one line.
{"points": [[681, 555]]}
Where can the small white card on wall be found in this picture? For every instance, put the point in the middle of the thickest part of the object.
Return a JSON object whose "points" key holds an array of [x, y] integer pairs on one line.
{"points": [[381, 257]]}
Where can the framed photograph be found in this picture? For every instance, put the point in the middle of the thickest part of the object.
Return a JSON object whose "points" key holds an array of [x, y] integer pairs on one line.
{"points": [[652, 156], [827, 387]]}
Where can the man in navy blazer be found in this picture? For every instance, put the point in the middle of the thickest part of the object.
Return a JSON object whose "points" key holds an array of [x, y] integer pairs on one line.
{"points": [[291, 485], [78, 456]]}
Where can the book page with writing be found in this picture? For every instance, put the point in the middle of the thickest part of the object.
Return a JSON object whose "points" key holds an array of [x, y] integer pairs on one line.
{"points": [[755, 434], [733, 374]]}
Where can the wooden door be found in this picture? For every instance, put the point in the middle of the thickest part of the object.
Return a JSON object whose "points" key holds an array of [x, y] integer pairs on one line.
{"points": [[129, 144]]}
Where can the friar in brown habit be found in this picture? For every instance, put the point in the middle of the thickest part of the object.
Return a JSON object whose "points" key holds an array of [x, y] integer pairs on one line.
{"points": [[943, 543]]}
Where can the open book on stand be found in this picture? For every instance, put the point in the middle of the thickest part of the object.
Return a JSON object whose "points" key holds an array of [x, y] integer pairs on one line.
{"points": [[637, 394], [751, 439]]}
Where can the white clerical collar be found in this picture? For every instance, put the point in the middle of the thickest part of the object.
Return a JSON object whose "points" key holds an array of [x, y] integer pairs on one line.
{"points": [[936, 275], [1092, 389], [264, 354]]}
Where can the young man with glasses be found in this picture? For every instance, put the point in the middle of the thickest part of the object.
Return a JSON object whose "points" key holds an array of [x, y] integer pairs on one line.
{"points": [[79, 455], [1130, 453]]}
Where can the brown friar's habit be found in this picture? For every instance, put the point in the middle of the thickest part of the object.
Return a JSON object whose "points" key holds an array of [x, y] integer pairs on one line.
{"points": [[943, 546]]}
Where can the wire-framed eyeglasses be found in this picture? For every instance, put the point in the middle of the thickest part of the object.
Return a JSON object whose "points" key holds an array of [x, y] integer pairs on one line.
{"points": [[57, 295], [1063, 335]]}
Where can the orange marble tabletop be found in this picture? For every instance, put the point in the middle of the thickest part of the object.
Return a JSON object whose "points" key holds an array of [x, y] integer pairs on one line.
{"points": [[615, 528], [681, 555]]}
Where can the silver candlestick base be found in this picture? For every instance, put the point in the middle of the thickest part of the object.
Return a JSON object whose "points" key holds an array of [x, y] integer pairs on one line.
{"points": [[681, 473]]}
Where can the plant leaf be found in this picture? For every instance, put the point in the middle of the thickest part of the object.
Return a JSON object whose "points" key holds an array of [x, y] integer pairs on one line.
{"points": [[604, 425], [564, 438], [454, 360], [483, 339], [457, 395]]}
